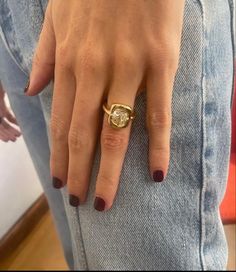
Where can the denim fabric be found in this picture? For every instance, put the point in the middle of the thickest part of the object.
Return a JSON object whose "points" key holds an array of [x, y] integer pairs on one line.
{"points": [[31, 113], [175, 225]]}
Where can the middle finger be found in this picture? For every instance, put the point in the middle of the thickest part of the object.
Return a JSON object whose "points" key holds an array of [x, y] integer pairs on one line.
{"points": [[114, 142]]}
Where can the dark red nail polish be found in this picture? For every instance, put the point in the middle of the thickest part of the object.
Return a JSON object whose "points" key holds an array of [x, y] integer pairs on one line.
{"points": [[74, 200], [99, 204], [158, 176], [26, 87], [57, 183]]}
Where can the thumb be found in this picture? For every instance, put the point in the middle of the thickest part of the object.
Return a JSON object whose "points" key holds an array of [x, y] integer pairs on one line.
{"points": [[44, 57]]}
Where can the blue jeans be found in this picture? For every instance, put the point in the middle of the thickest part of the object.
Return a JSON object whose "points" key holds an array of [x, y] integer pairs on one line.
{"points": [[31, 118], [175, 225]]}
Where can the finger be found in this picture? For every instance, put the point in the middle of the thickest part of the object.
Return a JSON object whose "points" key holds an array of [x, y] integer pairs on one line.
{"points": [[11, 137], [86, 122], [9, 116], [159, 97], [7, 130], [44, 57], [11, 129], [114, 142], [62, 107], [3, 135]]}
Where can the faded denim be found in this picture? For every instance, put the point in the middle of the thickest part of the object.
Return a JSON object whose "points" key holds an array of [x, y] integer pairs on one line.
{"points": [[175, 225], [32, 120]]}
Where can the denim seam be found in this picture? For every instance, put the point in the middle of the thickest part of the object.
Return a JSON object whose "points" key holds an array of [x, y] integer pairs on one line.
{"points": [[8, 45], [9, 51], [81, 248], [232, 11], [41, 6], [201, 202]]}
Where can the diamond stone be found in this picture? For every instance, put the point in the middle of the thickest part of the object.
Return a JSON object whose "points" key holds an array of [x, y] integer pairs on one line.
{"points": [[120, 117]]}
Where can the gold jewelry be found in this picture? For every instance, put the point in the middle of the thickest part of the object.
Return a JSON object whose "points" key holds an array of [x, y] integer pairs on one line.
{"points": [[119, 115]]}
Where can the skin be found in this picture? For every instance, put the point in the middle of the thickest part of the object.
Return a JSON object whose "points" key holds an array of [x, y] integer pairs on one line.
{"points": [[7, 131], [106, 50]]}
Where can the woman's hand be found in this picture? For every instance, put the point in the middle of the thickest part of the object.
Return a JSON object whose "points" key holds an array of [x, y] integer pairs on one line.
{"points": [[7, 131], [106, 50]]}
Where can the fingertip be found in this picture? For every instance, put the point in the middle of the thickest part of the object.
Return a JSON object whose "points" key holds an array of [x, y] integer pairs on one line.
{"points": [[158, 175], [17, 134], [159, 164], [40, 77], [74, 200], [99, 204]]}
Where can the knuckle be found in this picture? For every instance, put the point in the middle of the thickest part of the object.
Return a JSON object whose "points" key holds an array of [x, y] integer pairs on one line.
{"points": [[75, 186], [164, 56], [91, 60], [161, 148], [107, 181], [125, 58], [159, 119], [78, 140], [58, 129], [160, 151], [112, 141], [73, 182], [63, 58]]}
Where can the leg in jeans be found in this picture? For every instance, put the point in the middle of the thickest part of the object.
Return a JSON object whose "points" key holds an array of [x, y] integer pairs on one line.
{"points": [[175, 225], [31, 119]]}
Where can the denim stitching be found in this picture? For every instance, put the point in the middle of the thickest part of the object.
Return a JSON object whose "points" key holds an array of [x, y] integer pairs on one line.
{"points": [[12, 46], [82, 248], [201, 202], [232, 10], [207, 178]]}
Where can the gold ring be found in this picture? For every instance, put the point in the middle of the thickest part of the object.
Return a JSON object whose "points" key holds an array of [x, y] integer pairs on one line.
{"points": [[119, 115]]}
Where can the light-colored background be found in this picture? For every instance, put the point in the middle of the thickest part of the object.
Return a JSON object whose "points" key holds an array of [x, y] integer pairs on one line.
{"points": [[19, 184]]}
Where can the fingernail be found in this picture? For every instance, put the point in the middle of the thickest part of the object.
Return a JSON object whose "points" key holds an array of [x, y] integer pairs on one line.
{"points": [[99, 204], [57, 183], [27, 86], [74, 200], [158, 176]]}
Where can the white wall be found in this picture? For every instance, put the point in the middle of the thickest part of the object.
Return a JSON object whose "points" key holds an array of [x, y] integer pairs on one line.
{"points": [[19, 184]]}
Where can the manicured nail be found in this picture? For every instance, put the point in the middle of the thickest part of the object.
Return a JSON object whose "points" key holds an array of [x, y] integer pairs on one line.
{"points": [[158, 176], [74, 200], [99, 204], [57, 183], [26, 87]]}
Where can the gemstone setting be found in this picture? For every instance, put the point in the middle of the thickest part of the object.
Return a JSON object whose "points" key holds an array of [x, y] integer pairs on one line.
{"points": [[119, 116]]}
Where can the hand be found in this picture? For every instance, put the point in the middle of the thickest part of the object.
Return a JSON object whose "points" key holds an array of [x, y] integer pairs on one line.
{"points": [[7, 131], [106, 50]]}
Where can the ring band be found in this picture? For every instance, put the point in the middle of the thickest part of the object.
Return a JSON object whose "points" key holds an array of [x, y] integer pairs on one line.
{"points": [[119, 115]]}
